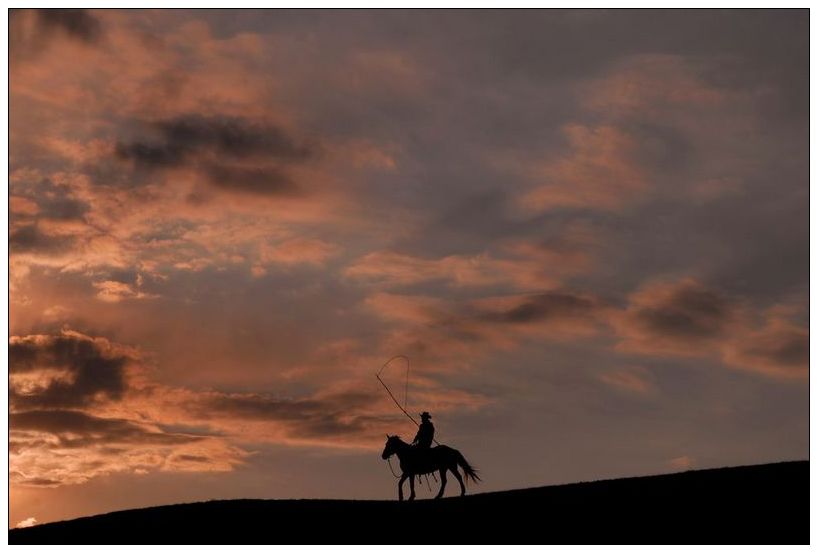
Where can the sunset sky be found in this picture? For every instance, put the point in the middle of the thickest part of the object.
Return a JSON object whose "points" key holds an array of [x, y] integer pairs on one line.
{"points": [[588, 230]]}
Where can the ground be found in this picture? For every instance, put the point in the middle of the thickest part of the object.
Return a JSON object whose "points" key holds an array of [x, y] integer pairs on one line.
{"points": [[752, 504]]}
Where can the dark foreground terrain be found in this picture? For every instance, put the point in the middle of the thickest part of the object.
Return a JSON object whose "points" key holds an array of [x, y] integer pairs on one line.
{"points": [[754, 504]]}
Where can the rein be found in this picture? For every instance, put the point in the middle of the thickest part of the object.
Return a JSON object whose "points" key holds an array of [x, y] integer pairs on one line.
{"points": [[389, 462]]}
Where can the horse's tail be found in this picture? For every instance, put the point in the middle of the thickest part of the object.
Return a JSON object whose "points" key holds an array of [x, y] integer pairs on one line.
{"points": [[469, 471]]}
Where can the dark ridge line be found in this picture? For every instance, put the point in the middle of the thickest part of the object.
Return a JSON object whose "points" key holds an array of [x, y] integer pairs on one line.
{"points": [[467, 498]]}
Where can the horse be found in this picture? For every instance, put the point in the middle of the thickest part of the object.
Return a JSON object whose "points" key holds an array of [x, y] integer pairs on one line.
{"points": [[415, 461]]}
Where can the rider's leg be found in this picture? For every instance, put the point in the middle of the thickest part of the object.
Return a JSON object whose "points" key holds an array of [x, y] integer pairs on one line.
{"points": [[442, 484]]}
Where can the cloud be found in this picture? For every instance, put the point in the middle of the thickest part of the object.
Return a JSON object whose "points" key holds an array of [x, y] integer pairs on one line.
{"points": [[685, 462], [453, 335], [413, 309], [31, 239], [650, 126], [26, 523], [599, 172], [779, 349], [205, 142], [652, 85], [113, 291], [48, 465], [76, 429], [306, 419], [66, 370], [84, 406], [71, 419], [181, 137], [230, 136], [259, 180], [20, 206], [48, 219], [54, 447], [297, 251], [517, 264], [544, 307], [682, 317], [49, 198], [76, 23], [32, 29], [687, 318]]}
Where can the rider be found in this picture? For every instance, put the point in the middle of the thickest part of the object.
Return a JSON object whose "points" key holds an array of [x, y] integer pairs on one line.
{"points": [[426, 431]]}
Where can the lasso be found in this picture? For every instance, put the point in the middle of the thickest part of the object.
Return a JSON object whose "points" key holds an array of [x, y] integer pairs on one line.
{"points": [[401, 407]]}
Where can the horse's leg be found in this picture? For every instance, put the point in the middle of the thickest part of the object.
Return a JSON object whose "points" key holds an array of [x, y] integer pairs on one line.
{"points": [[442, 483], [400, 487], [412, 487], [459, 479]]}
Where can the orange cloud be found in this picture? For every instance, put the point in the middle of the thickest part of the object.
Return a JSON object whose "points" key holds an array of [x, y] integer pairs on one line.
{"points": [[452, 336], [779, 349], [652, 85], [599, 172], [520, 265], [296, 251], [113, 291], [677, 318], [22, 206], [82, 407], [685, 462], [628, 144], [26, 523], [414, 309], [686, 318]]}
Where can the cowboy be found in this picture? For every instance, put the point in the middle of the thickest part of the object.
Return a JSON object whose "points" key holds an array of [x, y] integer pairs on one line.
{"points": [[426, 431]]}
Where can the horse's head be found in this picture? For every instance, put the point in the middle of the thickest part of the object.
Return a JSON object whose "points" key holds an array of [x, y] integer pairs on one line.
{"points": [[391, 446]]}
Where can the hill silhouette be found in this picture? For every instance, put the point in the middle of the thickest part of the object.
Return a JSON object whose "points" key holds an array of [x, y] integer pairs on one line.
{"points": [[750, 504]]}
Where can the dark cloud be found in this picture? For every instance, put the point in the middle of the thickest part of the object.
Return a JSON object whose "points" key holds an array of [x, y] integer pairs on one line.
{"points": [[203, 143], [259, 180], [690, 311], [62, 208], [781, 349], [93, 368], [541, 307], [76, 429], [193, 458], [17, 476], [787, 349], [259, 407], [152, 155], [328, 416], [32, 31], [232, 136], [76, 23], [182, 137], [30, 239], [54, 202]]}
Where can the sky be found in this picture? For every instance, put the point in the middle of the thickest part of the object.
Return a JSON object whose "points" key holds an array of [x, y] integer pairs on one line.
{"points": [[587, 231]]}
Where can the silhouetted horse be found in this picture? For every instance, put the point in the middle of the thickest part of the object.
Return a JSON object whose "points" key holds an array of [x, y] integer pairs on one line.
{"points": [[415, 461]]}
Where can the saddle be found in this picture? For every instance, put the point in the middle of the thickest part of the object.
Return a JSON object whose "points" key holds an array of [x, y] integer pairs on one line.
{"points": [[425, 455]]}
